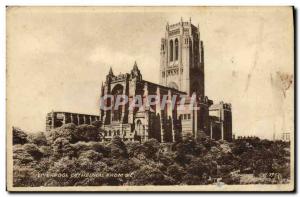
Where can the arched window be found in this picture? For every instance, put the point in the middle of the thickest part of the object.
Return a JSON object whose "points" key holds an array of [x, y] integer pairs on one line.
{"points": [[139, 127], [117, 112], [188, 116], [171, 50], [176, 49]]}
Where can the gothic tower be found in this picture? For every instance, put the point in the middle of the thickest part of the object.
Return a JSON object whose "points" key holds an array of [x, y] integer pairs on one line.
{"points": [[182, 58]]}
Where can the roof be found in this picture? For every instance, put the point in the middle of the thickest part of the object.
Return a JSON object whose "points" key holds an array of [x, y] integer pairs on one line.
{"points": [[164, 87], [72, 113]]}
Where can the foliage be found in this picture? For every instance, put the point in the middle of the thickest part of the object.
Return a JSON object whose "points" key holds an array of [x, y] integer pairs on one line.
{"points": [[118, 148], [33, 150], [19, 136], [38, 139], [75, 155], [86, 133]]}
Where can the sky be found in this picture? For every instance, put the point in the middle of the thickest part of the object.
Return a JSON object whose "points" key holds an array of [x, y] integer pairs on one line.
{"points": [[57, 59]]}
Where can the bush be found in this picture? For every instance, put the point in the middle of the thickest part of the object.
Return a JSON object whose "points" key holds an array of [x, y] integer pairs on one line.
{"points": [[19, 136], [21, 156], [26, 177], [91, 155], [118, 148], [66, 132], [151, 148], [86, 133], [147, 175], [33, 150], [62, 148], [38, 139], [72, 149]]}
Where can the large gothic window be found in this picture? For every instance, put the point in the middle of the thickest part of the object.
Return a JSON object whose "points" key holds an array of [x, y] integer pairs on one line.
{"points": [[139, 128], [171, 50], [117, 113], [176, 49], [196, 87]]}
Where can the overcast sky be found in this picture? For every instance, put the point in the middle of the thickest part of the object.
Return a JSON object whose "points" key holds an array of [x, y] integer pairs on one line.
{"points": [[58, 57]]}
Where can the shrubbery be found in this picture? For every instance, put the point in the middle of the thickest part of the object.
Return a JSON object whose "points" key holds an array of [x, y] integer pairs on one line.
{"points": [[73, 155]]}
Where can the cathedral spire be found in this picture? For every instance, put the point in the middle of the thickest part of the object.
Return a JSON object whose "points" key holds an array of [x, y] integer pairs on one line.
{"points": [[135, 67], [135, 72], [110, 71]]}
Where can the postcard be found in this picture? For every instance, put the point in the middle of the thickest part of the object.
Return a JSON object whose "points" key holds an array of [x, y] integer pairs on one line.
{"points": [[141, 99]]}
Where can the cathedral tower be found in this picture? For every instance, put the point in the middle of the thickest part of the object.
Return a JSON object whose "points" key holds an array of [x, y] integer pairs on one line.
{"points": [[182, 58]]}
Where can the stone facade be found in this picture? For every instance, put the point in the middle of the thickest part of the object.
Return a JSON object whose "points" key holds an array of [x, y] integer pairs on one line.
{"points": [[220, 121], [182, 58], [182, 74], [286, 136], [165, 125], [56, 119]]}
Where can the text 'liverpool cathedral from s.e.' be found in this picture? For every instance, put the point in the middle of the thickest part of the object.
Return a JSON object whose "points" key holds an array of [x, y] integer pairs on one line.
{"points": [[181, 73]]}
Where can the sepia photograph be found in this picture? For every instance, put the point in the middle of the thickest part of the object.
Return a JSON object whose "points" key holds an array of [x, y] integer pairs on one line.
{"points": [[147, 99]]}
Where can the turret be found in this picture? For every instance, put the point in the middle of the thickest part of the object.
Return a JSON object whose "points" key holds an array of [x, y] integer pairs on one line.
{"points": [[135, 72], [110, 72]]}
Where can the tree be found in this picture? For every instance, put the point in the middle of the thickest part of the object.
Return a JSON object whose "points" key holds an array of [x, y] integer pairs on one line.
{"points": [[118, 148], [19, 136], [75, 149], [26, 176], [151, 148], [62, 148], [167, 158], [24, 167], [135, 149], [86, 133], [34, 151], [80, 147], [21, 156], [198, 171], [97, 124], [46, 150], [38, 139], [91, 155], [62, 171], [100, 148], [148, 175], [176, 172], [66, 131]]}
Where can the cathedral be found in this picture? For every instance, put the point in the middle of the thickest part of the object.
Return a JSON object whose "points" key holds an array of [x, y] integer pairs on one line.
{"points": [[180, 106], [181, 76]]}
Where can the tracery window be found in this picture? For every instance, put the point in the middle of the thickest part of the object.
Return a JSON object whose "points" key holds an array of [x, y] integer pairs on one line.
{"points": [[117, 113], [171, 50], [176, 49]]}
